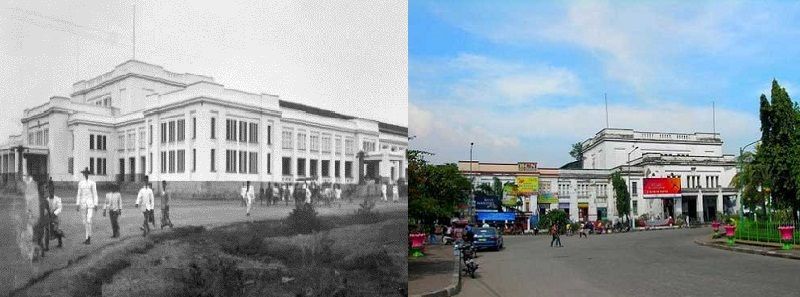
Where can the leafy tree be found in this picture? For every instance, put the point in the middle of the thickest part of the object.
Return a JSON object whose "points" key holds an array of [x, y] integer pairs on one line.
{"points": [[493, 190], [435, 191], [577, 151], [780, 131], [623, 198], [751, 179], [555, 216]]}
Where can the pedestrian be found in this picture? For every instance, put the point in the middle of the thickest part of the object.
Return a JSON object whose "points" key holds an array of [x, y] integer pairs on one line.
{"points": [[556, 238], [395, 193], [54, 203], [249, 195], [242, 193], [383, 192], [584, 227], [43, 225], [147, 201], [113, 206], [307, 192], [337, 192], [86, 203], [276, 194], [166, 196], [262, 195]]}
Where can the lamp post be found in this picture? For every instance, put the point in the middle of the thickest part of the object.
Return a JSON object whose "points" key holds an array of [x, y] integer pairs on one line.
{"points": [[741, 166], [629, 186], [472, 185]]}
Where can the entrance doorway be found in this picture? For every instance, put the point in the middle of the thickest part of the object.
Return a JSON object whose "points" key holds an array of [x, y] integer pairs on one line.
{"points": [[132, 161], [583, 212], [37, 166], [689, 205], [668, 209]]}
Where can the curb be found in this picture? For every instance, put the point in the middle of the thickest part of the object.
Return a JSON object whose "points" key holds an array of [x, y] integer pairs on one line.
{"points": [[453, 288], [748, 251]]}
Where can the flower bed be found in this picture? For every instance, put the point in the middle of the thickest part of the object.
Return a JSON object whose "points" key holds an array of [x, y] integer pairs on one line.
{"points": [[748, 229]]}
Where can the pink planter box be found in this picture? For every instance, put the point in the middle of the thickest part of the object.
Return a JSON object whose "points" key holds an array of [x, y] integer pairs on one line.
{"points": [[417, 240], [715, 226], [730, 230], [786, 232]]}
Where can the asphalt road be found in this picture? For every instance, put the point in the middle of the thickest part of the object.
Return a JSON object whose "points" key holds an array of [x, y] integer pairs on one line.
{"points": [[654, 263]]}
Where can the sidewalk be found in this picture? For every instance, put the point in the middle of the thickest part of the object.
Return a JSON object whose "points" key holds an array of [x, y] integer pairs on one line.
{"points": [[750, 247], [435, 274]]}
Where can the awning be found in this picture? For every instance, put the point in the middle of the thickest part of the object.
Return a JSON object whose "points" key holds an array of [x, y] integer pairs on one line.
{"points": [[496, 216], [563, 205]]}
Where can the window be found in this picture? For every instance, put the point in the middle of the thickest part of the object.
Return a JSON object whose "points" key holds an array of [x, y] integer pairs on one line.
{"points": [[163, 162], [181, 160], [635, 209], [91, 165], [172, 131], [213, 128], [338, 145], [301, 167], [634, 189], [213, 161], [230, 131], [242, 131], [151, 162], [142, 137], [313, 168], [230, 161], [253, 162], [46, 136], [348, 169], [269, 163], [326, 144], [286, 139], [181, 130], [194, 160], [314, 139], [326, 168], [163, 132], [71, 165], [91, 141], [101, 166], [349, 148], [301, 141], [242, 162], [253, 133], [131, 141], [269, 135], [286, 166], [368, 146], [171, 161], [194, 129], [151, 134], [30, 138], [336, 169]]}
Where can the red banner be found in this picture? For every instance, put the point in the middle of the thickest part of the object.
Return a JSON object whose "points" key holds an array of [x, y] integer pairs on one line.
{"points": [[662, 187]]}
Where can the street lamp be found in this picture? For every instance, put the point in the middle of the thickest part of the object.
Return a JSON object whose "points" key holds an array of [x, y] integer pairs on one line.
{"points": [[741, 166], [629, 186], [472, 184]]}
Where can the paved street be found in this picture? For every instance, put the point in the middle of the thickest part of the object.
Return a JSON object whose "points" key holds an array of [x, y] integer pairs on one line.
{"points": [[655, 263]]}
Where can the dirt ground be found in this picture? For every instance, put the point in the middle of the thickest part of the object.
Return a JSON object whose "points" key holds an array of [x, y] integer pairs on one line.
{"points": [[46, 275]]}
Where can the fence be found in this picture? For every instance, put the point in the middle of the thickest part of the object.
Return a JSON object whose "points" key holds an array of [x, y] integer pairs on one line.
{"points": [[753, 230]]}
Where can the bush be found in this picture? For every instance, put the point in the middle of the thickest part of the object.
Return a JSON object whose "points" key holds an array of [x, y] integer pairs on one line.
{"points": [[364, 214], [555, 216], [303, 219]]}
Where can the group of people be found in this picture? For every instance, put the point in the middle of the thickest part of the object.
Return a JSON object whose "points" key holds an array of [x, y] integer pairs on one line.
{"points": [[87, 204], [299, 192]]}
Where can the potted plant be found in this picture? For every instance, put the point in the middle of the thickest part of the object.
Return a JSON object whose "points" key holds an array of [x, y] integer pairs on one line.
{"points": [[785, 228], [730, 227]]}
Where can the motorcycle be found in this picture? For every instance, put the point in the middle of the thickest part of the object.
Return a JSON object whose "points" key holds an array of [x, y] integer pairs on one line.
{"points": [[621, 227], [468, 256]]}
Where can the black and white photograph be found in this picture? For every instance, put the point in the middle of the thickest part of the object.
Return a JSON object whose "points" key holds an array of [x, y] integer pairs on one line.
{"points": [[204, 148]]}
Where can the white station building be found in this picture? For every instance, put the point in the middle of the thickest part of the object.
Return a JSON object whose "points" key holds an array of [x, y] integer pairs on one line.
{"points": [[584, 189], [140, 119]]}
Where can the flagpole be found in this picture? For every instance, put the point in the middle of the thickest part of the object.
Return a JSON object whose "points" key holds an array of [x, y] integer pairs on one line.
{"points": [[606, 99]]}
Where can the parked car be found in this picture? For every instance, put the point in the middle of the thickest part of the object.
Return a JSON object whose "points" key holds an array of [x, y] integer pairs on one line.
{"points": [[488, 238]]}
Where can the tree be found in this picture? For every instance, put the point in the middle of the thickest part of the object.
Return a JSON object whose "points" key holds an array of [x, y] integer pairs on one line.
{"points": [[780, 138], [493, 190], [435, 191], [577, 151], [751, 180], [623, 198]]}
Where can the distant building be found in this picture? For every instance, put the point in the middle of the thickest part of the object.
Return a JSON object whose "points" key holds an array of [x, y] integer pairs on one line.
{"points": [[584, 190], [140, 119]]}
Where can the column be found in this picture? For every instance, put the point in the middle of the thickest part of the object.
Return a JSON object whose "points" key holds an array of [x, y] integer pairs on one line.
{"points": [[592, 205], [700, 206], [678, 207], [720, 204], [573, 201]]}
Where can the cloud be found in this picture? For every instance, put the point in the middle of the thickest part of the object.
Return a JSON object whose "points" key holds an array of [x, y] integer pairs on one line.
{"points": [[478, 78]]}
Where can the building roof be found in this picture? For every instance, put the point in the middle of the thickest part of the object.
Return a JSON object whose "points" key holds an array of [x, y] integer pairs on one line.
{"points": [[392, 129], [573, 165]]}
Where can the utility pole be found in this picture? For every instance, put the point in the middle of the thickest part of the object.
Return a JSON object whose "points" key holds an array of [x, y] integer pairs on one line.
{"points": [[472, 185], [630, 192], [134, 32]]}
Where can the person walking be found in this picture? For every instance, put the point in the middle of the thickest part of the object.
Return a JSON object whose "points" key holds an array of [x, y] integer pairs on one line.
{"points": [[337, 192], [114, 207], [86, 203], [54, 203], [383, 192], [166, 196], [556, 237], [242, 195], [249, 195], [146, 200], [583, 232], [395, 193], [307, 193]]}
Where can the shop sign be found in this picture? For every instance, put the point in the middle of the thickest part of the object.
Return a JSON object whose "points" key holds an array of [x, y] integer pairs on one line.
{"points": [[662, 187], [527, 185], [547, 198]]}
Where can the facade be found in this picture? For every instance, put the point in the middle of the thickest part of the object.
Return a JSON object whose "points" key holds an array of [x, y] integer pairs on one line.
{"points": [[584, 190], [140, 119]]}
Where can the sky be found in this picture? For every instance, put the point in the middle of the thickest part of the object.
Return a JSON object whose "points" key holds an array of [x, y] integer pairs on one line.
{"points": [[339, 55], [526, 79]]}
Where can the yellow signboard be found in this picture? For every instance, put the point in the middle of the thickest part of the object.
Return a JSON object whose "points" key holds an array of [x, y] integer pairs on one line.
{"points": [[527, 185], [547, 198]]}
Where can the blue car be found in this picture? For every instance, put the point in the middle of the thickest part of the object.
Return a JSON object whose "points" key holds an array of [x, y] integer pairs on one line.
{"points": [[488, 238]]}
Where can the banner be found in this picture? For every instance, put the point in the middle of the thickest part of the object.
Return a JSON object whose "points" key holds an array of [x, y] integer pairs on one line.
{"points": [[662, 187], [547, 198], [485, 203], [496, 216], [527, 185]]}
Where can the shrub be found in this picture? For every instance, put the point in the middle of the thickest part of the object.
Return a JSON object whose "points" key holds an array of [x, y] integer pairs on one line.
{"points": [[303, 219], [556, 216], [364, 214]]}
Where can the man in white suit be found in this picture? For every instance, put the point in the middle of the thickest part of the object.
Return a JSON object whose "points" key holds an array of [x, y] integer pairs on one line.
{"points": [[86, 202], [147, 201]]}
